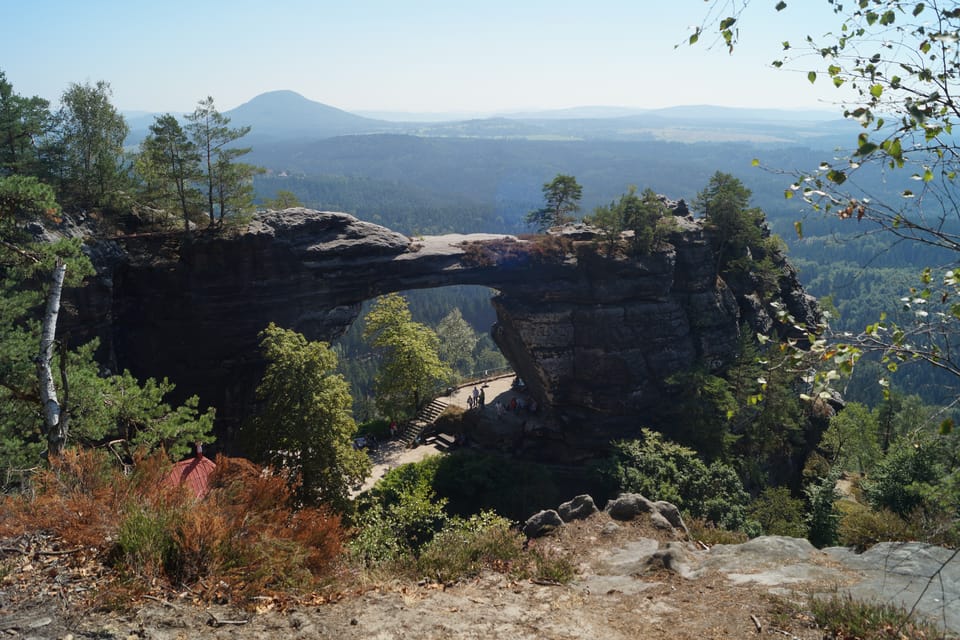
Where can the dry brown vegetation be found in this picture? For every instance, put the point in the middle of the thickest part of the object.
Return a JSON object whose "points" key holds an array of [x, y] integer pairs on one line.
{"points": [[244, 539], [530, 248]]}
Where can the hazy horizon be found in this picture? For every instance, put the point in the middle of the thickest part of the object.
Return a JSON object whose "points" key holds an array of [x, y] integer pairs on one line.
{"points": [[422, 57]]}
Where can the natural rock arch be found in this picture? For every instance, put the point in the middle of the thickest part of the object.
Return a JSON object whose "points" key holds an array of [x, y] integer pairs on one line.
{"points": [[593, 336]]}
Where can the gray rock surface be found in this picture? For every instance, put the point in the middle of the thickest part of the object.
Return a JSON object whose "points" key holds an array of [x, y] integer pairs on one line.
{"points": [[909, 574], [594, 337], [628, 506], [580, 507], [542, 523]]}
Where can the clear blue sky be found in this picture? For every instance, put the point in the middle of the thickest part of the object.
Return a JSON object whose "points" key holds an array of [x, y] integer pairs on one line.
{"points": [[417, 55]]}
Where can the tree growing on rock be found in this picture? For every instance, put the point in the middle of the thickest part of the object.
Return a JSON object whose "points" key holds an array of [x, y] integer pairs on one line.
{"points": [[23, 123], [561, 200], [639, 214], [169, 166], [86, 147], [227, 183]]}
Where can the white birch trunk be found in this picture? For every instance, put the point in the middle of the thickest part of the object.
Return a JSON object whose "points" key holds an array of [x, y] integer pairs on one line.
{"points": [[53, 423]]}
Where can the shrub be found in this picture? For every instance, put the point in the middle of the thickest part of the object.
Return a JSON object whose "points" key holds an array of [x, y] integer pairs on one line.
{"points": [[144, 542], [860, 527], [399, 515], [544, 248], [471, 482], [823, 519], [711, 534], [246, 532], [909, 473], [554, 566], [663, 470], [379, 429], [779, 513], [464, 547]]}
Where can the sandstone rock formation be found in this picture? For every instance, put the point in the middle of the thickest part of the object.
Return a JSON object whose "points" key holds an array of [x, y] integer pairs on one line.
{"points": [[594, 337]]}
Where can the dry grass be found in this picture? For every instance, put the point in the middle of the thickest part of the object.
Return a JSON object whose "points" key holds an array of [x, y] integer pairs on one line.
{"points": [[245, 538]]}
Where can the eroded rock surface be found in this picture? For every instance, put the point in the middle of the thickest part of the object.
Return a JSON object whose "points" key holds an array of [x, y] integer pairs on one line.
{"points": [[593, 336]]}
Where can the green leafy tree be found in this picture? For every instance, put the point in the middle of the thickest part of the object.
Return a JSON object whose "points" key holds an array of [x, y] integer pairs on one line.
{"points": [[23, 198], [918, 474], [304, 422], [284, 200], [224, 178], [823, 517], [23, 122], [701, 414], [400, 514], [894, 63], [119, 407], [852, 438], [410, 366], [779, 513], [561, 200], [609, 221], [458, 341], [737, 229], [87, 147], [169, 165], [233, 187], [638, 214], [90, 408]]}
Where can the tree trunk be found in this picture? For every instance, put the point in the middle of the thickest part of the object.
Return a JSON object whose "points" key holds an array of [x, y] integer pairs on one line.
{"points": [[54, 424]]}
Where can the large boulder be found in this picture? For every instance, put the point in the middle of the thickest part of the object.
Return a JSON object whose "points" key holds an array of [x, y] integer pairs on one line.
{"points": [[542, 523], [579, 508], [628, 506]]}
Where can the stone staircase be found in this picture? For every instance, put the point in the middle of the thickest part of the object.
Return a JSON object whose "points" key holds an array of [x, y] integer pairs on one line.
{"points": [[424, 418]]}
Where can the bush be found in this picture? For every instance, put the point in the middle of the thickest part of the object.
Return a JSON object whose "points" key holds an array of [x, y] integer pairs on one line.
{"points": [[860, 527], [464, 547], [399, 515], [379, 429], [553, 566], [779, 513], [663, 470], [471, 482], [246, 531], [907, 478], [711, 534], [823, 519]]}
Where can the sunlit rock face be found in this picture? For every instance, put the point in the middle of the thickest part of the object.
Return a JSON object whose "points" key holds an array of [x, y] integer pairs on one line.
{"points": [[593, 336]]}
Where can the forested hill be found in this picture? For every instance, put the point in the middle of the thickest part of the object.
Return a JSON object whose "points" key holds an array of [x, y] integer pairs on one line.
{"points": [[503, 177]]}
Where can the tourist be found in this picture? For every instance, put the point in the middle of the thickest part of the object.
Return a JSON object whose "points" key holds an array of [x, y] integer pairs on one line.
{"points": [[482, 398]]}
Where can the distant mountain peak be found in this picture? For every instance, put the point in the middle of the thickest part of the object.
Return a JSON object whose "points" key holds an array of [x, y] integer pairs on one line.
{"points": [[286, 112]]}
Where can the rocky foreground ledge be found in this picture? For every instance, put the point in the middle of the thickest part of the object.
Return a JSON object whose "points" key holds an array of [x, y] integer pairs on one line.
{"points": [[637, 577]]}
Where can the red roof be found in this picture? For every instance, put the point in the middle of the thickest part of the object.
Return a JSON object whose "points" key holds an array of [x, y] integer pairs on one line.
{"points": [[193, 472]]}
